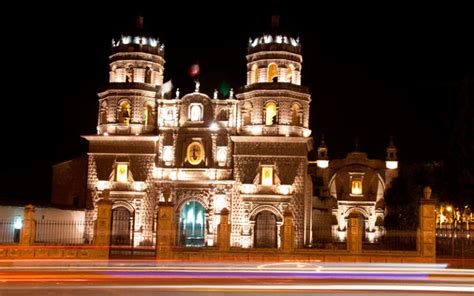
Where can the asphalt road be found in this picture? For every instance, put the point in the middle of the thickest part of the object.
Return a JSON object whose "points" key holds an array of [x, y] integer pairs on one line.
{"points": [[73, 277]]}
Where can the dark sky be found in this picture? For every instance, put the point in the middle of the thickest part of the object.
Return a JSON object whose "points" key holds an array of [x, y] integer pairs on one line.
{"points": [[372, 71]]}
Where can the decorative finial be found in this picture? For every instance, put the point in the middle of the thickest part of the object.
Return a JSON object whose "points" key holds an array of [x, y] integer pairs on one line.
{"points": [[140, 22], [216, 93], [391, 143], [322, 140], [275, 21], [231, 93], [177, 93], [197, 85], [357, 144]]}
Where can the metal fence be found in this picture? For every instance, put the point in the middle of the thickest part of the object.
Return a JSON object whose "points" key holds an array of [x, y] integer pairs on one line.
{"points": [[455, 242], [65, 232], [8, 232], [324, 238], [393, 240]]}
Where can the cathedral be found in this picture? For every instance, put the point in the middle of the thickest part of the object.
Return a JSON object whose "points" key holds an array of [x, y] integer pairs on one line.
{"points": [[246, 153]]}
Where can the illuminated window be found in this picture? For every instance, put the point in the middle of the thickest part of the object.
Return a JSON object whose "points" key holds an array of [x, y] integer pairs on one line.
{"points": [[246, 114], [290, 73], [122, 172], [148, 75], [168, 154], [148, 114], [267, 176], [254, 74], [195, 153], [124, 113], [168, 114], [295, 114], [129, 74], [195, 112], [103, 113], [272, 73], [270, 113], [221, 155], [356, 187]]}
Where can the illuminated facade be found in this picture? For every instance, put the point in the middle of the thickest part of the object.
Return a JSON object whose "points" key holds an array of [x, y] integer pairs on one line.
{"points": [[246, 153], [354, 184]]}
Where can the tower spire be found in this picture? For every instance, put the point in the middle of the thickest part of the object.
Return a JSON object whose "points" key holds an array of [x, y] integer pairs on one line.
{"points": [[139, 22], [275, 21]]}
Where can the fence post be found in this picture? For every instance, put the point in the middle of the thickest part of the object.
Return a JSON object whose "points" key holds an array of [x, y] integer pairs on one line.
{"points": [[288, 241], [427, 229], [28, 231], [104, 219], [166, 230], [354, 234], [223, 231]]}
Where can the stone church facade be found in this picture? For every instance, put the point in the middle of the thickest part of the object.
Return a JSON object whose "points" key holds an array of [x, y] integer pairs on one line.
{"points": [[247, 153]]}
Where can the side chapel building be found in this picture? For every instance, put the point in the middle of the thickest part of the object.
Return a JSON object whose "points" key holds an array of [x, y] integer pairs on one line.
{"points": [[247, 153]]}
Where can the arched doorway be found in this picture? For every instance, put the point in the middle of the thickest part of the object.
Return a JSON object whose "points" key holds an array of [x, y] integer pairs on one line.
{"points": [[265, 230], [122, 225], [192, 224]]}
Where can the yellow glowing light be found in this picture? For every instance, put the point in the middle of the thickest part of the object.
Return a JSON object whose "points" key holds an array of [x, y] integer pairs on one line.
{"points": [[122, 172], [356, 186], [270, 113], [195, 153], [449, 208], [272, 72], [267, 176]]}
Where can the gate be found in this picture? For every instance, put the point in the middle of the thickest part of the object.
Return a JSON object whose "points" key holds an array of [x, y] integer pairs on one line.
{"points": [[265, 230], [122, 238]]}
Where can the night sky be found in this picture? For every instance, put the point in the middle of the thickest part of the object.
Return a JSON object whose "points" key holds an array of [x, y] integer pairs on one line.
{"points": [[373, 72]]}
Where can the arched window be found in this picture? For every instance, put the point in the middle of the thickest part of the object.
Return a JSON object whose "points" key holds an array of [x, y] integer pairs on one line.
{"points": [[254, 74], [103, 113], [124, 112], [290, 73], [192, 223], [270, 113], [223, 115], [295, 114], [247, 114], [272, 73], [195, 112], [149, 116], [148, 73], [129, 74]]}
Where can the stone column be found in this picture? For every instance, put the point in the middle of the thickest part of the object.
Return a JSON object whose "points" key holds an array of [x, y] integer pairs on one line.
{"points": [[28, 231], [223, 231], [354, 234], [287, 232], [104, 220], [427, 227], [214, 150], [166, 230]]}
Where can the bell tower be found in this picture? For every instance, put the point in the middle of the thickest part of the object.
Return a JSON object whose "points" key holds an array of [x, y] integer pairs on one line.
{"points": [[273, 101], [128, 105], [272, 143]]}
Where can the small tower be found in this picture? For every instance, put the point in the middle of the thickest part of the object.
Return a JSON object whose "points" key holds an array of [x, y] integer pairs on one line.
{"points": [[391, 160], [323, 160], [128, 105], [273, 102]]}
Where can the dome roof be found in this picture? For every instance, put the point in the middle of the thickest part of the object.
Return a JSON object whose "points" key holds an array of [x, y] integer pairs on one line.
{"points": [[137, 40]]}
